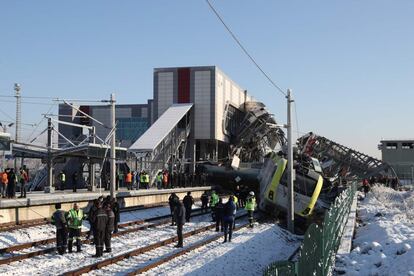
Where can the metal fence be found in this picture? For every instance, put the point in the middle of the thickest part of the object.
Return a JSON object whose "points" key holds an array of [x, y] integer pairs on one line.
{"points": [[320, 244]]}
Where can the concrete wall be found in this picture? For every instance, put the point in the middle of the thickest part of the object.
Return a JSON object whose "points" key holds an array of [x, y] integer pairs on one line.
{"points": [[45, 209]]}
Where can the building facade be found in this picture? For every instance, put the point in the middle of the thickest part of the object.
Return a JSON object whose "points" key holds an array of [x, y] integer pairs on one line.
{"points": [[400, 155]]}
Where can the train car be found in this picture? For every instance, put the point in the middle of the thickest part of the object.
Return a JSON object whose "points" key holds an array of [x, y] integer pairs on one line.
{"points": [[308, 186]]}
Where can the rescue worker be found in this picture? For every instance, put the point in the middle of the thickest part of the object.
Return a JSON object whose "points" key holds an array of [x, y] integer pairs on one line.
{"points": [[365, 186], [188, 204], [237, 194], [228, 218], [59, 220], [91, 219], [172, 201], [204, 202], [250, 206], [236, 200], [147, 181], [4, 181], [213, 201], [158, 179], [219, 215], [142, 180], [62, 179], [116, 210], [74, 218], [128, 180], [101, 221], [179, 216], [109, 227]]}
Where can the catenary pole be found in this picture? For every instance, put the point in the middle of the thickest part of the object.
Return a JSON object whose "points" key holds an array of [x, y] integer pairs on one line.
{"points": [[112, 155], [291, 203]]}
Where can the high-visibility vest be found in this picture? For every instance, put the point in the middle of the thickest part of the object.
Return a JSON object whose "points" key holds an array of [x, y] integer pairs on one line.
{"points": [[4, 178], [214, 199], [128, 177], [159, 178], [251, 203], [62, 177], [147, 179], [75, 218], [235, 199], [142, 178]]}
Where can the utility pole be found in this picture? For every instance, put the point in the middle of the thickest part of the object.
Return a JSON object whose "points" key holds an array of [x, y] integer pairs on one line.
{"points": [[291, 178], [113, 156], [49, 188], [18, 116]]}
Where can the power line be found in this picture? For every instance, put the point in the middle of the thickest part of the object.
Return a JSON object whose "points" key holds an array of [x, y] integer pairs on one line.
{"points": [[244, 49], [7, 115]]}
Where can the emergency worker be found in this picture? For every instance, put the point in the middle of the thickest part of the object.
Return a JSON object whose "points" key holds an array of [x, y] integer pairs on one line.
{"points": [[158, 179], [59, 220], [62, 179], [204, 202], [128, 180], [213, 201], [74, 218], [250, 206], [101, 221], [91, 219]]}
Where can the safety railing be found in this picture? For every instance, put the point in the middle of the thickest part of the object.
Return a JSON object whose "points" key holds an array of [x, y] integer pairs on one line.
{"points": [[320, 244]]}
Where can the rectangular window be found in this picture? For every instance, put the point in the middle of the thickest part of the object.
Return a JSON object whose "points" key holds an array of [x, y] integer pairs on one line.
{"points": [[391, 146], [407, 145]]}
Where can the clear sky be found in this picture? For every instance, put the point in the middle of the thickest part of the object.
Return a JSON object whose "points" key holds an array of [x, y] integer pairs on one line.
{"points": [[350, 64]]}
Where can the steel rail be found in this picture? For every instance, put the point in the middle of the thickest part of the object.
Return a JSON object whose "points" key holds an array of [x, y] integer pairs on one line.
{"points": [[138, 251]]}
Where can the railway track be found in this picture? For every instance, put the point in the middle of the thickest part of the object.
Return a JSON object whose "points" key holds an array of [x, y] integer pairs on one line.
{"points": [[150, 247], [159, 220], [44, 221]]}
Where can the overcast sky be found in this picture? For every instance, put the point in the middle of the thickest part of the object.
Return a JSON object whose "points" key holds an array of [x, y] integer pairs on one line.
{"points": [[350, 64]]}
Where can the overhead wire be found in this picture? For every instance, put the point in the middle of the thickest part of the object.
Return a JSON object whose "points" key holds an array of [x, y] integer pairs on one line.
{"points": [[244, 49], [41, 120]]}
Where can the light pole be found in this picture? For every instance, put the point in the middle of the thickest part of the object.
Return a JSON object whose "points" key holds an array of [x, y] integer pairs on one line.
{"points": [[18, 116], [291, 203], [4, 127], [113, 153]]}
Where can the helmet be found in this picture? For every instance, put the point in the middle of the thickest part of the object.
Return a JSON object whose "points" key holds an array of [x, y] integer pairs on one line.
{"points": [[251, 193]]}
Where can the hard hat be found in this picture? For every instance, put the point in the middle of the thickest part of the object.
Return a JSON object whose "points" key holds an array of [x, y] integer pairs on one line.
{"points": [[251, 193]]}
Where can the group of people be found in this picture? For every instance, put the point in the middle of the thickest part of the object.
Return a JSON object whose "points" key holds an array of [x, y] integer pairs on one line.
{"points": [[9, 179], [103, 217]]}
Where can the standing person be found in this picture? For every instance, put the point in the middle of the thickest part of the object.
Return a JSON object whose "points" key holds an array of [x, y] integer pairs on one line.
{"points": [[75, 218], [75, 181], [219, 215], [172, 202], [59, 220], [128, 180], [213, 201], [188, 204], [250, 206], [101, 222], [228, 218], [116, 210], [147, 181], [24, 178], [165, 179], [204, 202], [159, 180], [91, 219], [4, 181], [62, 180], [11, 187], [365, 186], [237, 194], [109, 227], [179, 215]]}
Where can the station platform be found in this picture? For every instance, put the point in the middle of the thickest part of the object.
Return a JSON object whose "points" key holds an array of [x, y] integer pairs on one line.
{"points": [[40, 205]]}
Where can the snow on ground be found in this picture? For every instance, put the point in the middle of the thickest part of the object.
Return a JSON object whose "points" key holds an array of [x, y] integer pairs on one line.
{"points": [[53, 264], [384, 240], [250, 251], [41, 232]]}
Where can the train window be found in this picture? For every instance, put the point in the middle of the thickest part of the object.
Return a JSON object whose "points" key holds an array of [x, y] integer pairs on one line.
{"points": [[407, 145], [304, 184], [391, 146]]}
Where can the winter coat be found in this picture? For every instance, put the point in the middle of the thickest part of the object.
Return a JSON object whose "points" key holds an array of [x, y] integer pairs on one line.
{"points": [[188, 201], [229, 210], [58, 219], [101, 220], [179, 214], [111, 221], [219, 210]]}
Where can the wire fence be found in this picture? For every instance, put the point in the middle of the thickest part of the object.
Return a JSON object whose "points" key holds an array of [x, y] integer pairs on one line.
{"points": [[320, 244]]}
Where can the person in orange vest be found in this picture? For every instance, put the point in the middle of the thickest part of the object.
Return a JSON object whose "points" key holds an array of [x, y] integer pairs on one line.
{"points": [[128, 180], [4, 181]]}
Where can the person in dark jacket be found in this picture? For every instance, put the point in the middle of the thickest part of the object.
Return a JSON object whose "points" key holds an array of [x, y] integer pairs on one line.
{"points": [[116, 210], [91, 218], [219, 215], [109, 227], [11, 187], [101, 221], [179, 216], [188, 202], [172, 201], [59, 220], [204, 202], [228, 218]]}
